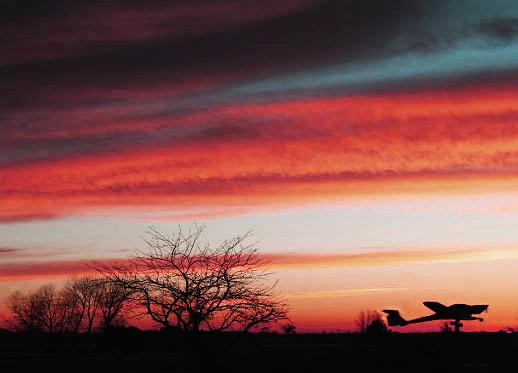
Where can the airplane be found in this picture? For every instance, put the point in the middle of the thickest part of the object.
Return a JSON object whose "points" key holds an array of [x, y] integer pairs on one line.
{"points": [[455, 312]]}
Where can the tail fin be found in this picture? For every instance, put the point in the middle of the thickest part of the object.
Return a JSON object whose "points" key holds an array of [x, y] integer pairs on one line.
{"points": [[394, 318]]}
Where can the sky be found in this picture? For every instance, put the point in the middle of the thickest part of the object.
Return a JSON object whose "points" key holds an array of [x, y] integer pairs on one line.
{"points": [[372, 147]]}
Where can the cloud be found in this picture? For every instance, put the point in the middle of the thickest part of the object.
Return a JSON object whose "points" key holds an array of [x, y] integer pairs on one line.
{"points": [[54, 77], [20, 255], [438, 140], [500, 29], [6, 251], [173, 110], [387, 257], [275, 261], [43, 270], [71, 28], [340, 292]]}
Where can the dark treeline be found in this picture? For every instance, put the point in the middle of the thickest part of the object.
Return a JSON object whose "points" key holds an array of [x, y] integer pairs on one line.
{"points": [[84, 304], [177, 282]]}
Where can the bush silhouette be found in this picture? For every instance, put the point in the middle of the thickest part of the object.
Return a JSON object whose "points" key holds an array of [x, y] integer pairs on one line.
{"points": [[369, 321], [377, 327], [289, 328]]}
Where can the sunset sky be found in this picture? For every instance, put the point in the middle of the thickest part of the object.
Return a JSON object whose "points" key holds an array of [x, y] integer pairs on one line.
{"points": [[371, 146]]}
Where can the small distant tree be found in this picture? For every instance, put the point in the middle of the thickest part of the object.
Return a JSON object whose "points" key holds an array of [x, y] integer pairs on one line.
{"points": [[377, 326], [289, 328], [370, 321]]}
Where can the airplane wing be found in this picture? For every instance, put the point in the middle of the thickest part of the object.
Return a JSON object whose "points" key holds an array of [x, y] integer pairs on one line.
{"points": [[436, 306]]}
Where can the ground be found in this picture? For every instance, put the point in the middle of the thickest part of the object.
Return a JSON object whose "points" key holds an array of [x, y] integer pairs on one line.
{"points": [[133, 351]]}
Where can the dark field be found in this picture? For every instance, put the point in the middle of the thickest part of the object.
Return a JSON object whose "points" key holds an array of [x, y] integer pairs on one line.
{"points": [[164, 352]]}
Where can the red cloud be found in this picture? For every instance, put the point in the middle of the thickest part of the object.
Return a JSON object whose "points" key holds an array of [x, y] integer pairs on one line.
{"points": [[290, 151], [43, 270]]}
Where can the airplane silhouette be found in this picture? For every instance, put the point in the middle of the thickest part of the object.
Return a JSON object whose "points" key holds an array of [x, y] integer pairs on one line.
{"points": [[455, 312]]}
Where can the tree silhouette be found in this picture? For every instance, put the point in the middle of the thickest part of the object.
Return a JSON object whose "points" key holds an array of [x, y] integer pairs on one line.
{"points": [[45, 309], [183, 283], [289, 328], [84, 303], [85, 292], [112, 299], [377, 326], [25, 312]]}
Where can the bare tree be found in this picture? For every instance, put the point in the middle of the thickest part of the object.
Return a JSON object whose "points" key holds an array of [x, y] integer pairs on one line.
{"points": [[99, 302], [85, 291], [183, 283], [112, 298], [25, 312], [261, 309], [367, 317], [50, 315], [69, 312], [45, 309]]}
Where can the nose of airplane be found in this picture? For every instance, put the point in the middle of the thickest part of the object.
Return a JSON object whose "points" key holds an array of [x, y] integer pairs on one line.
{"points": [[483, 307]]}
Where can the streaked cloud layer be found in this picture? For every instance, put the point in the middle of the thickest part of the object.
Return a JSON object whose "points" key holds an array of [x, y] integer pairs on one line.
{"points": [[246, 116], [259, 153], [18, 266], [128, 113]]}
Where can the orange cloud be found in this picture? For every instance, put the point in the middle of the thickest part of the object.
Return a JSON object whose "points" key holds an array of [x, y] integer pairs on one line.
{"points": [[258, 154], [64, 268], [386, 257]]}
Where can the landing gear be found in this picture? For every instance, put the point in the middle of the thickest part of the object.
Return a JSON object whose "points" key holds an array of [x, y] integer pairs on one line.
{"points": [[457, 324]]}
